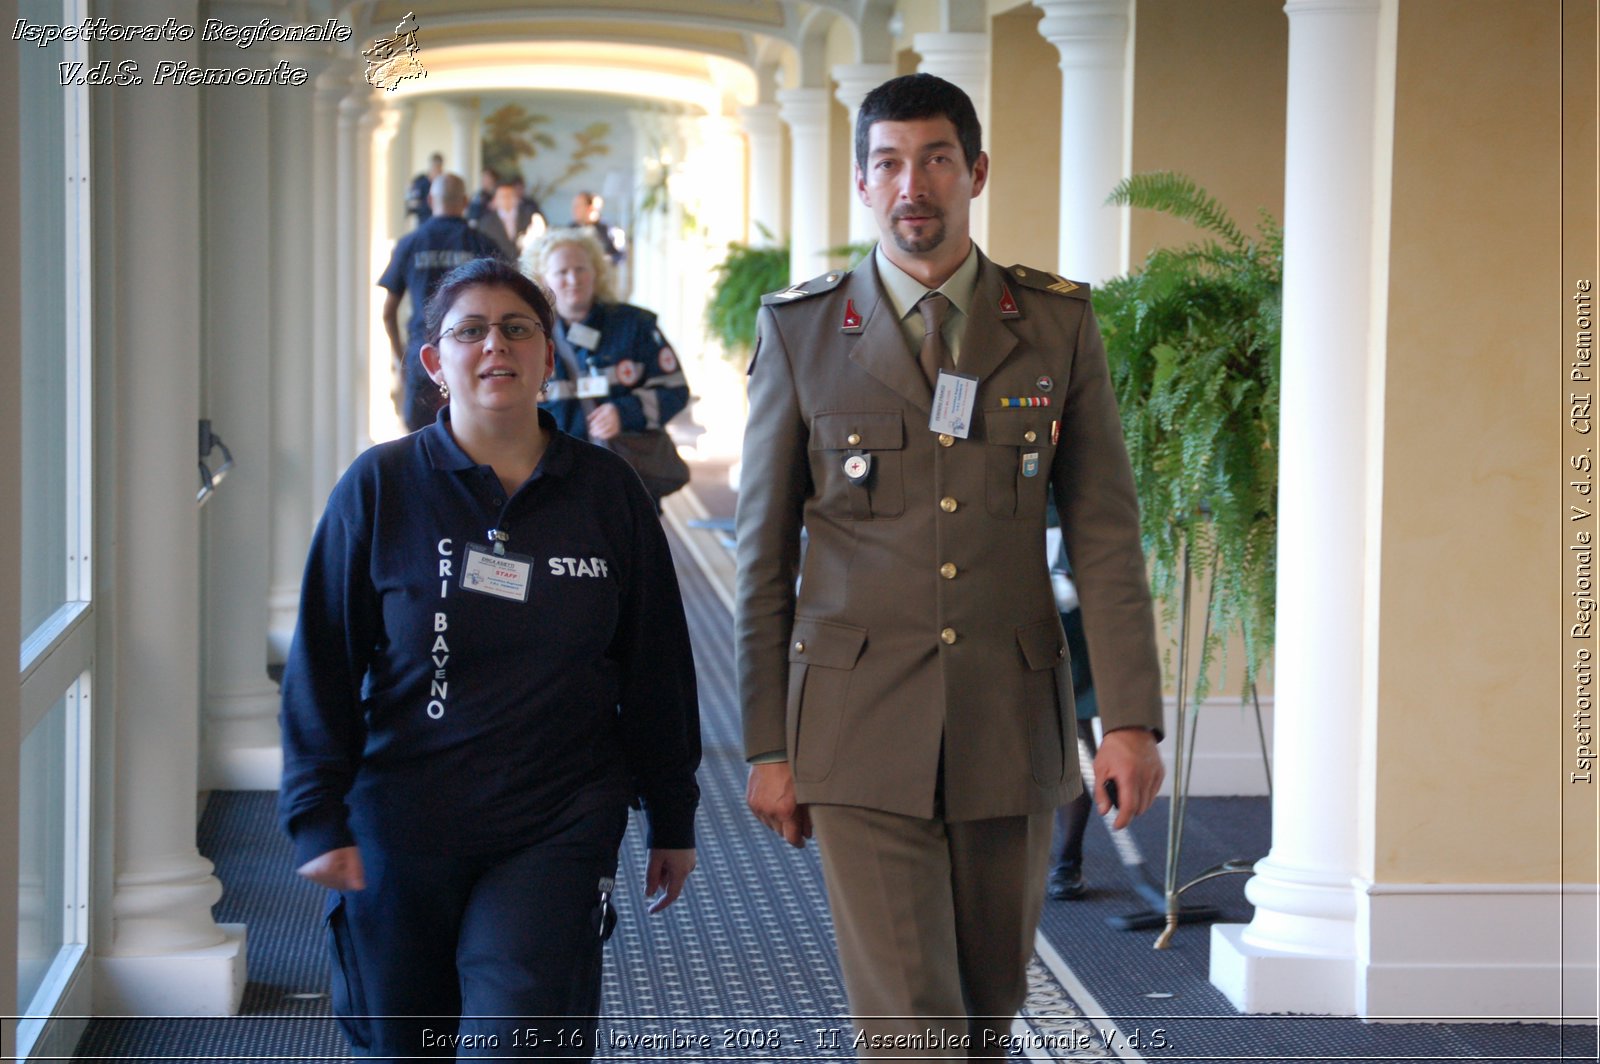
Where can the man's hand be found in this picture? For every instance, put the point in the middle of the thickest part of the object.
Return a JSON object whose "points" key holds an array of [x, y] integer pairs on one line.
{"points": [[604, 422], [666, 873], [339, 869], [1127, 755], [770, 795]]}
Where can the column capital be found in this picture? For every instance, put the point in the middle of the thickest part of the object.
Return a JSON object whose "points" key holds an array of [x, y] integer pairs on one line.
{"points": [[804, 109], [855, 80], [760, 120], [1086, 32]]}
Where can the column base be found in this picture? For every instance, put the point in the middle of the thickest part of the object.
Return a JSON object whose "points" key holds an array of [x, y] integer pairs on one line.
{"points": [[1256, 979], [241, 748], [201, 982]]}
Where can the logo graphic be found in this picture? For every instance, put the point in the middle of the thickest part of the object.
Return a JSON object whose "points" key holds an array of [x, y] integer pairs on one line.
{"points": [[391, 60]]}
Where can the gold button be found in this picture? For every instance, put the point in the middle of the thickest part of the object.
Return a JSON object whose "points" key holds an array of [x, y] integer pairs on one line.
{"points": [[1021, 272], [832, 277], [1030, 436], [948, 571], [854, 439], [1061, 652], [948, 635], [948, 504], [945, 440], [799, 648]]}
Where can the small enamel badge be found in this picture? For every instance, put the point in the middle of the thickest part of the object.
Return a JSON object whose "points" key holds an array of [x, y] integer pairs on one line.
{"points": [[1055, 433], [1045, 384], [852, 317], [1030, 464], [857, 466], [1008, 305]]}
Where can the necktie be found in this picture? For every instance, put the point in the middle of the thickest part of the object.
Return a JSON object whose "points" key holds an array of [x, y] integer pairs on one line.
{"points": [[932, 355]]}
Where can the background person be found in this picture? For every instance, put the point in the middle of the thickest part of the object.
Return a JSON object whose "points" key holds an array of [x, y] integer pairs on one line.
{"points": [[419, 262], [615, 372], [509, 218], [417, 192], [467, 715]]}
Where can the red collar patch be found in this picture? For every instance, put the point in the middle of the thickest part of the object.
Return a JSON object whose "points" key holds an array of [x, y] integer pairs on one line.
{"points": [[1008, 305], [852, 318]]}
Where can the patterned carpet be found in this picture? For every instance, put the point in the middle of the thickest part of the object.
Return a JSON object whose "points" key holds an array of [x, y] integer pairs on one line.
{"points": [[743, 967]]}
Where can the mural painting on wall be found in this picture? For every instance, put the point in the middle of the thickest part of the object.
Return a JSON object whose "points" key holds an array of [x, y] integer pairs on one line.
{"points": [[515, 142]]}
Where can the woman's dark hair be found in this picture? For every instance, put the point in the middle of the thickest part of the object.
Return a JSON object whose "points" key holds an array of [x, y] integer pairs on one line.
{"points": [[484, 273], [919, 96]]}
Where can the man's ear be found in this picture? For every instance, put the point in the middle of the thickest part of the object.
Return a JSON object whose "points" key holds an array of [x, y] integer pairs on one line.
{"points": [[861, 184], [980, 173]]}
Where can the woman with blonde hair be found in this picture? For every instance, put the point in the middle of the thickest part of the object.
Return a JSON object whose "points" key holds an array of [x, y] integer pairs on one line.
{"points": [[614, 371]]}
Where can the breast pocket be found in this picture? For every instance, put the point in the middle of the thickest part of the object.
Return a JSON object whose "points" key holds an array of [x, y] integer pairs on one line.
{"points": [[848, 437], [1020, 453]]}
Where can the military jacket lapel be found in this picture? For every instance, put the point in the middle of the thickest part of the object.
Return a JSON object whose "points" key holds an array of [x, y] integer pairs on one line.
{"points": [[987, 340], [880, 347]]}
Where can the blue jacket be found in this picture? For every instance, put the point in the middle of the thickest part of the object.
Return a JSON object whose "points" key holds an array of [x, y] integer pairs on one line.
{"points": [[643, 378], [422, 716]]}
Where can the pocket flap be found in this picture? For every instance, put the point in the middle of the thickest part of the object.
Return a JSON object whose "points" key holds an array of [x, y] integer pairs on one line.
{"points": [[1043, 644], [849, 430], [1010, 428], [825, 643]]}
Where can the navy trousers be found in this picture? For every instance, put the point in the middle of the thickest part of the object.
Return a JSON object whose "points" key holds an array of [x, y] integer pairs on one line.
{"points": [[482, 956]]}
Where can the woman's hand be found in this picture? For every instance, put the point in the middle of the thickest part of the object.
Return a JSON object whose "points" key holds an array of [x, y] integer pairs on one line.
{"points": [[604, 422], [666, 873], [341, 869]]}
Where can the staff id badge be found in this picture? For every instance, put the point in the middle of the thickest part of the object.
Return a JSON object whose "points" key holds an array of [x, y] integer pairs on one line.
{"points": [[593, 386], [581, 335], [953, 399], [501, 575]]}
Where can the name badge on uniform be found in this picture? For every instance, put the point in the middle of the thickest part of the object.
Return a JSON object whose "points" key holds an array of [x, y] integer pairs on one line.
{"points": [[501, 575], [1030, 464], [581, 335], [953, 399], [593, 386]]}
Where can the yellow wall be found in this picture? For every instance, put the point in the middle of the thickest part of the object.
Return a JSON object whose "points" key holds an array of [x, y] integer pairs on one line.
{"points": [[1023, 141], [1209, 102], [1470, 735]]}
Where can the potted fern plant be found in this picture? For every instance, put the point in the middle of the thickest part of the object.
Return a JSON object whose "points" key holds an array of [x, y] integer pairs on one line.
{"points": [[748, 272], [1193, 338]]}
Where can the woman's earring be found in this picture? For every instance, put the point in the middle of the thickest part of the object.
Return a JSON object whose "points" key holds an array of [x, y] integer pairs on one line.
{"points": [[444, 391]]}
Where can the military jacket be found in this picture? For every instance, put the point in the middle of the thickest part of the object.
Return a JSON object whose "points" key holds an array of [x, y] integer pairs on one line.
{"points": [[922, 630]]}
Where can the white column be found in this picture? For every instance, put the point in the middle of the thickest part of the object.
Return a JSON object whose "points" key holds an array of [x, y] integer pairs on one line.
{"points": [[805, 112], [646, 254], [1299, 952], [852, 83], [395, 218], [465, 139], [165, 954], [239, 726], [963, 60], [329, 209], [765, 136], [353, 273], [1092, 37], [293, 249]]}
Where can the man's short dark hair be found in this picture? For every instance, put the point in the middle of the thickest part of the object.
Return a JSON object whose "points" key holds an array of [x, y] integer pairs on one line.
{"points": [[916, 96]]}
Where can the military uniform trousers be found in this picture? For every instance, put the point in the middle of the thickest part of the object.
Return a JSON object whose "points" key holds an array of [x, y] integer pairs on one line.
{"points": [[935, 922]]}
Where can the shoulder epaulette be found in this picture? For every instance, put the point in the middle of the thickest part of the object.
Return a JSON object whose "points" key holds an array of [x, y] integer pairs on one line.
{"points": [[816, 286], [1045, 281]]}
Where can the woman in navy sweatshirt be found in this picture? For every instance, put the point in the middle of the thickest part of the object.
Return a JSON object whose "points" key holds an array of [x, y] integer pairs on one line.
{"points": [[491, 665]]}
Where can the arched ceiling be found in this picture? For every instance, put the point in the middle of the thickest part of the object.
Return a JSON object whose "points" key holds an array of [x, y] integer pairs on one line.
{"points": [[701, 53]]}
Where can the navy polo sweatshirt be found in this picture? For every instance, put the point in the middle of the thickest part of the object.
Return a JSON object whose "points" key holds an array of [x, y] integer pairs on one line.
{"points": [[421, 716]]}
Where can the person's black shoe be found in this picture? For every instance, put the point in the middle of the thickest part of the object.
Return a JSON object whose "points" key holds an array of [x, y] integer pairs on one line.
{"points": [[1065, 884]]}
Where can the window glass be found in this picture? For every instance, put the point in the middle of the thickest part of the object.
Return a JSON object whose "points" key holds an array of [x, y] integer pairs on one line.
{"points": [[44, 333], [42, 916]]}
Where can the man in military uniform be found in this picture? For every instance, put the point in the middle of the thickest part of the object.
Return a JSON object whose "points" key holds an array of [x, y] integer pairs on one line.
{"points": [[911, 700], [420, 260]]}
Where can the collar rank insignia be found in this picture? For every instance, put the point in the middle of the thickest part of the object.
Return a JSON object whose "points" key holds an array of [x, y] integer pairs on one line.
{"points": [[852, 318], [1008, 305]]}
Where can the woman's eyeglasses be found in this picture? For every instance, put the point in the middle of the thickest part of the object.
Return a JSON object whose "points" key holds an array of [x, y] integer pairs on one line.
{"points": [[475, 332]]}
